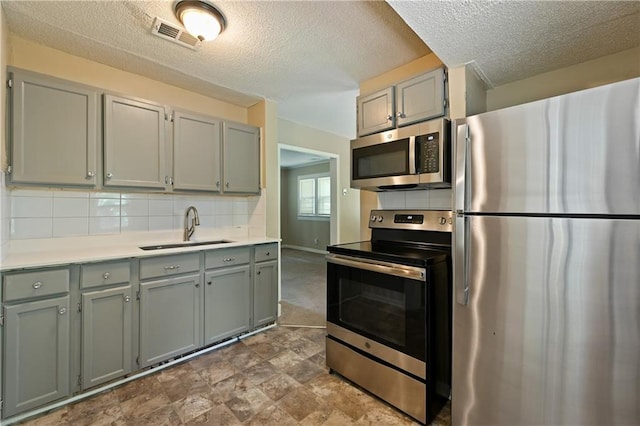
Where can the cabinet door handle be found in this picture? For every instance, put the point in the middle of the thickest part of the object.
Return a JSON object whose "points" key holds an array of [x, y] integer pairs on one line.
{"points": [[62, 311], [227, 185], [90, 174], [197, 285], [106, 275], [109, 175], [400, 115], [37, 285], [166, 180], [389, 117], [208, 282], [258, 273], [127, 299], [218, 184]]}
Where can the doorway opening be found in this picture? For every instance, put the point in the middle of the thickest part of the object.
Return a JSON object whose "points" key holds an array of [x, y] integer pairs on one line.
{"points": [[308, 224]]}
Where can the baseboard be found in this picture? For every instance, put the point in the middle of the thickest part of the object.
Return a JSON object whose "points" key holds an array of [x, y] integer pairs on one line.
{"points": [[304, 249]]}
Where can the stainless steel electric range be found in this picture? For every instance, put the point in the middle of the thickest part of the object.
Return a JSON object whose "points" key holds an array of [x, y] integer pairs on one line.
{"points": [[389, 310]]}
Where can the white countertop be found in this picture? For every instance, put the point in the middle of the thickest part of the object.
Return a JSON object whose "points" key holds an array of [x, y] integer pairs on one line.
{"points": [[63, 251]]}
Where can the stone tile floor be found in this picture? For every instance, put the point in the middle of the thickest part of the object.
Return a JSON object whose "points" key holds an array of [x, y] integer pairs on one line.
{"points": [[277, 377]]}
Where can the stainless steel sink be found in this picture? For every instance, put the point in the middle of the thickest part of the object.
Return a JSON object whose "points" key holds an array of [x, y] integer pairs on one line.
{"points": [[184, 244]]}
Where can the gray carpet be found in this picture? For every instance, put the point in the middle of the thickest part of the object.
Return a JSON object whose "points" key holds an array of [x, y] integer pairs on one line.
{"points": [[304, 288]]}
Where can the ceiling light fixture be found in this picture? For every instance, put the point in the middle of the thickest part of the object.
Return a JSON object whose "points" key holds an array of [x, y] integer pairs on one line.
{"points": [[201, 20]]}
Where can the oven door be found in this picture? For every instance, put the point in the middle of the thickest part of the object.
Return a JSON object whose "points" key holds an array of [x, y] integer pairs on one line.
{"points": [[384, 302]]}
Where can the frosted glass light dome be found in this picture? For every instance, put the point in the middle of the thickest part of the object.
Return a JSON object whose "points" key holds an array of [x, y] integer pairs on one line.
{"points": [[200, 19]]}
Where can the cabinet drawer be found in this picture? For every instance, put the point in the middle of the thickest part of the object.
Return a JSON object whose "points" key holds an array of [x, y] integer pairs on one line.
{"points": [[108, 273], [227, 257], [35, 284], [265, 252], [169, 265]]}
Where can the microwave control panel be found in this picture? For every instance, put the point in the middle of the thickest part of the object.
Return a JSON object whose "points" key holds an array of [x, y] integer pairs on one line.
{"points": [[429, 148]]}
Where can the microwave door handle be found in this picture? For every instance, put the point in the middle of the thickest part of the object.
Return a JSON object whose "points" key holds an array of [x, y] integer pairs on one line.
{"points": [[412, 155]]}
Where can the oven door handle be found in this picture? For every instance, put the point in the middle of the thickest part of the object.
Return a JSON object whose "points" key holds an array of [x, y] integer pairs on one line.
{"points": [[402, 271]]}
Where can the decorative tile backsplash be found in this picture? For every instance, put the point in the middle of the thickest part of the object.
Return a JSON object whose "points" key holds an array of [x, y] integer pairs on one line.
{"points": [[66, 213]]}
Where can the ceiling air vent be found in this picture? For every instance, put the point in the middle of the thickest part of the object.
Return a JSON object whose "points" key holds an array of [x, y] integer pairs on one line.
{"points": [[178, 35]]}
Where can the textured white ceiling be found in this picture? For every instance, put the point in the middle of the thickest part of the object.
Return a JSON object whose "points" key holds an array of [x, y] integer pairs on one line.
{"points": [[302, 54], [511, 40], [310, 56]]}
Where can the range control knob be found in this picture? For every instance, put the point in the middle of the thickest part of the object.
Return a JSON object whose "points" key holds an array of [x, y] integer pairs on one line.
{"points": [[380, 218], [373, 218]]}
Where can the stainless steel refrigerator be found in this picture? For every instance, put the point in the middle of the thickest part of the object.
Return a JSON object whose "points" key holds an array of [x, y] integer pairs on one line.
{"points": [[547, 262]]}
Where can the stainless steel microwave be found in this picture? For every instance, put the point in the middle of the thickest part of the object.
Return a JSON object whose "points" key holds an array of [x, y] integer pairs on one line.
{"points": [[412, 157]]}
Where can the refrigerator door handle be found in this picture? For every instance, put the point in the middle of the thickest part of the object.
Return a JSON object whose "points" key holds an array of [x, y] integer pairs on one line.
{"points": [[462, 259], [462, 177]]}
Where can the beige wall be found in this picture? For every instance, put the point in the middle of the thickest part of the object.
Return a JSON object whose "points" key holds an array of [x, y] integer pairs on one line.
{"points": [[607, 69], [348, 200], [28, 55]]}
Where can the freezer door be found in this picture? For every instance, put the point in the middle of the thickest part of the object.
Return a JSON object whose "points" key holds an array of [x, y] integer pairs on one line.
{"points": [[576, 154], [551, 332]]}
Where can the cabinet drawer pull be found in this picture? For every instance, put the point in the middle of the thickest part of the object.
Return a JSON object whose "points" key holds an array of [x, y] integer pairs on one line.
{"points": [[62, 311], [228, 259], [109, 175], [198, 285], [208, 282], [127, 299], [258, 273], [268, 253], [171, 267], [37, 284], [106, 275]]}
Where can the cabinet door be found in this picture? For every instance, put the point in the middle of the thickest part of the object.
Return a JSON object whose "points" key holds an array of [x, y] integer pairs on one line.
{"points": [[420, 98], [227, 303], [375, 112], [196, 152], [169, 318], [106, 335], [241, 151], [265, 293], [36, 369], [54, 128], [134, 143]]}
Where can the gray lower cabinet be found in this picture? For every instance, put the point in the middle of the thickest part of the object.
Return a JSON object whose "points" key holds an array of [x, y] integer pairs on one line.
{"points": [[106, 335], [36, 369], [169, 318], [54, 131], [265, 293], [227, 303]]}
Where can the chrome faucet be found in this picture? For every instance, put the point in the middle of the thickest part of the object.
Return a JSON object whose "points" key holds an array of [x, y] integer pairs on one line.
{"points": [[190, 229]]}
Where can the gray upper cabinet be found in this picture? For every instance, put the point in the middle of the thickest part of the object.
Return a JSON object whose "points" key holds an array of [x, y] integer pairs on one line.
{"points": [[196, 152], [54, 131], [417, 99], [241, 155], [420, 98], [134, 143], [375, 112]]}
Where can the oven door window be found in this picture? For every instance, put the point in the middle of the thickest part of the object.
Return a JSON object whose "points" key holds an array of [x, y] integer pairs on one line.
{"points": [[385, 308], [381, 160]]}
